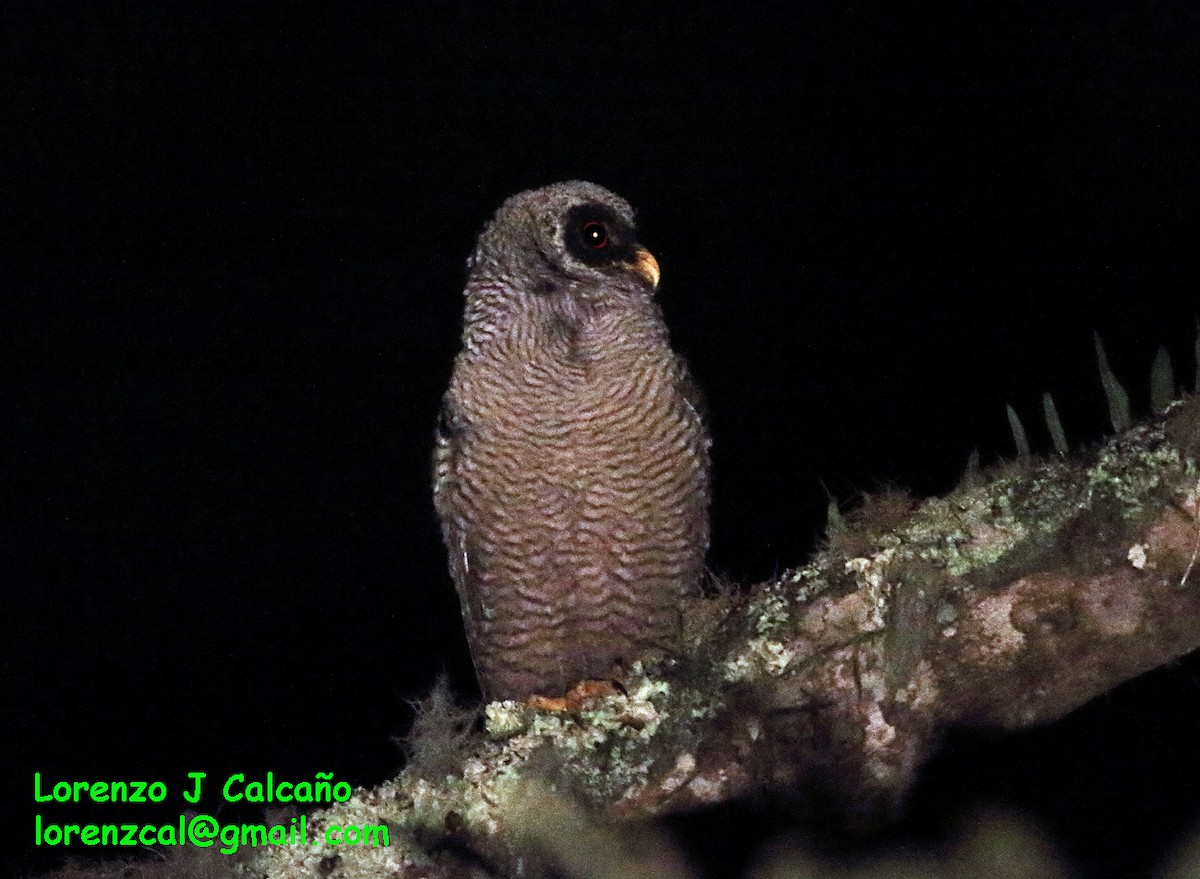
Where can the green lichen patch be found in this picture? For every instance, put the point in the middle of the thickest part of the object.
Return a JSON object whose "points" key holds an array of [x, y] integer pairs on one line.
{"points": [[760, 656], [1129, 470], [502, 720]]}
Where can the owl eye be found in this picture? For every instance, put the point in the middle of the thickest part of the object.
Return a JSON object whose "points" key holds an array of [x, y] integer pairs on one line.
{"points": [[595, 235]]}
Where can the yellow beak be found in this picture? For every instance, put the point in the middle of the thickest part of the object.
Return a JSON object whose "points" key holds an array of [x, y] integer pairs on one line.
{"points": [[646, 265]]}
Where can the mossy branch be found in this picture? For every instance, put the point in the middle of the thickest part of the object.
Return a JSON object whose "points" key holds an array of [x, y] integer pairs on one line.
{"points": [[1009, 602]]}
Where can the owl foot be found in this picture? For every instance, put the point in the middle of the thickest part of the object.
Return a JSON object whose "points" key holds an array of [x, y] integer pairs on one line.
{"points": [[578, 697]]}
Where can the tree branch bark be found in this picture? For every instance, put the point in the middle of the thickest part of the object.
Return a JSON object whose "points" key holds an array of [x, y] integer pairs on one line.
{"points": [[1009, 602]]}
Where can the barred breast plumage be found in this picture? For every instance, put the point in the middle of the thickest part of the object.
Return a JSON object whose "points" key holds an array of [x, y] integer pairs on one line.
{"points": [[571, 469]]}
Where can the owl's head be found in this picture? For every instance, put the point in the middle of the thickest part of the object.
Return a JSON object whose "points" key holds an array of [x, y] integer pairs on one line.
{"points": [[572, 238]]}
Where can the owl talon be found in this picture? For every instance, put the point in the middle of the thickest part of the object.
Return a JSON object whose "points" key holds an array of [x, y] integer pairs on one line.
{"points": [[578, 697]]}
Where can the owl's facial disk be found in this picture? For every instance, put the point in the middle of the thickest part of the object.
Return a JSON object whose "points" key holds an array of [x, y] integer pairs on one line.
{"points": [[596, 236]]}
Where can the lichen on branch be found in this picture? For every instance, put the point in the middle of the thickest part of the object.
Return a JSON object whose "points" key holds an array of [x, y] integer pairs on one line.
{"points": [[1008, 602]]}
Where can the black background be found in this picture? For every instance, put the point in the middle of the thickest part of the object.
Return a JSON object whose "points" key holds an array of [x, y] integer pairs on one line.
{"points": [[233, 245]]}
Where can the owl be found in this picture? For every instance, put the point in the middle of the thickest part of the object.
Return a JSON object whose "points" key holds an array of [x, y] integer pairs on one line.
{"points": [[571, 470]]}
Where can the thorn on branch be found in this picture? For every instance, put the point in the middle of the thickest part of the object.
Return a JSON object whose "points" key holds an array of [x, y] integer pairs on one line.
{"points": [[1057, 435], [1118, 400], [1020, 440], [1162, 381]]}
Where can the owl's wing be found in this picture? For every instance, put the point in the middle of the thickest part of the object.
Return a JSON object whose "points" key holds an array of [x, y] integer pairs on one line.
{"points": [[443, 454], [691, 391], [694, 397], [447, 442]]}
